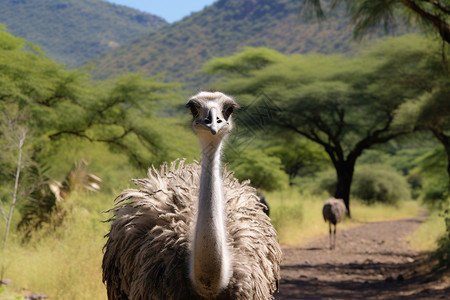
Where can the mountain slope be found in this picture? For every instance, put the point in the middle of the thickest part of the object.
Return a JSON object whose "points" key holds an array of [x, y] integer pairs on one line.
{"points": [[72, 31], [227, 26]]}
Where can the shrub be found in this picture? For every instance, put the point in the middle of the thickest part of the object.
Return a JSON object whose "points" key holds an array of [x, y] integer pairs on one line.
{"points": [[435, 190], [375, 183], [263, 171], [442, 252], [371, 183], [325, 182]]}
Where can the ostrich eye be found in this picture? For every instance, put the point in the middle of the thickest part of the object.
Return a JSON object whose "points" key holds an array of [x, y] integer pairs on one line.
{"points": [[227, 112], [193, 107], [194, 111]]}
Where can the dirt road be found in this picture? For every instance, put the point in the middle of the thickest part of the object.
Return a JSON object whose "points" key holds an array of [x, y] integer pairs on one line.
{"points": [[372, 261]]}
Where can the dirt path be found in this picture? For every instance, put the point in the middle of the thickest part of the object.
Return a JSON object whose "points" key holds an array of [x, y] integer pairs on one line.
{"points": [[371, 261]]}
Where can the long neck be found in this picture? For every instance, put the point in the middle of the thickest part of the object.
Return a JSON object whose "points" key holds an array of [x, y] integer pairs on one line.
{"points": [[210, 262]]}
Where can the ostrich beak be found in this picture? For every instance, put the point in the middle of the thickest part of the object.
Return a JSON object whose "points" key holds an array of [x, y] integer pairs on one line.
{"points": [[211, 121]]}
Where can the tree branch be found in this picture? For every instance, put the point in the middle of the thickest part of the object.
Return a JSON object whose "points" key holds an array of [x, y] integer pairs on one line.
{"points": [[439, 24], [70, 132], [439, 6]]}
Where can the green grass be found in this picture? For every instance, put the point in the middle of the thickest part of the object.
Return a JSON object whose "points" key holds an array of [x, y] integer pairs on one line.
{"points": [[65, 264], [426, 236]]}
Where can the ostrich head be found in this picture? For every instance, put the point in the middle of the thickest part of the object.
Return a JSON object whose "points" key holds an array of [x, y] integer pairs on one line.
{"points": [[211, 112]]}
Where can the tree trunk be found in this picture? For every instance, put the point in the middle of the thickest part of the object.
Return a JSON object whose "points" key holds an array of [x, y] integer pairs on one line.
{"points": [[14, 199], [445, 141], [344, 171], [447, 152]]}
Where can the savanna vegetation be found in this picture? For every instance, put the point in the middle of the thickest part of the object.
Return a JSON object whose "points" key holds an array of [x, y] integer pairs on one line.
{"points": [[372, 128], [345, 105]]}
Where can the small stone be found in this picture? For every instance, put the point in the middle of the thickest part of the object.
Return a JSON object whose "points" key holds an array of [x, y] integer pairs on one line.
{"points": [[6, 281], [36, 296]]}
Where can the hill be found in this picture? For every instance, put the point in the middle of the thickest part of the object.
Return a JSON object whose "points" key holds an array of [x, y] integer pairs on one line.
{"points": [[180, 49], [71, 31]]}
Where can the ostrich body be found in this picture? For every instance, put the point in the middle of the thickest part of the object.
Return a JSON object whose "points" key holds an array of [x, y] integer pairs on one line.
{"points": [[333, 212], [193, 231]]}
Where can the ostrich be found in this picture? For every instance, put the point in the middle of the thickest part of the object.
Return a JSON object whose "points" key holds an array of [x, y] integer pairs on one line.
{"points": [[192, 231], [333, 212]]}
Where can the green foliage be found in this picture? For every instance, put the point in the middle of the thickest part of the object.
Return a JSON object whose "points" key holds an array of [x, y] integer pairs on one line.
{"points": [[324, 183], [431, 166], [322, 98], [374, 183], [72, 31], [65, 103], [58, 107], [42, 205], [263, 171], [244, 62], [371, 184], [46, 198], [299, 157], [442, 252], [335, 91]]}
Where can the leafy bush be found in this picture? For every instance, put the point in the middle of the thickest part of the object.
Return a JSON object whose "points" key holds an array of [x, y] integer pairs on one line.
{"points": [[375, 183], [435, 191], [299, 157], [432, 166], [371, 183], [325, 183], [263, 171], [442, 253]]}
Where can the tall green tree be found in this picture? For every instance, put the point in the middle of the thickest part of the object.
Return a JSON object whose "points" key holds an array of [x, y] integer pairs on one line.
{"points": [[66, 103], [369, 14], [345, 105], [431, 111], [298, 156]]}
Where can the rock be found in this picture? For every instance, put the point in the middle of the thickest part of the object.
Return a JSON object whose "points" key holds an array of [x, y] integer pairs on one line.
{"points": [[410, 259], [5, 281], [36, 296]]}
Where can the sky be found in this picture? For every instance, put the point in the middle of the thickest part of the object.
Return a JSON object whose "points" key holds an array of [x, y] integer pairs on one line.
{"points": [[170, 10]]}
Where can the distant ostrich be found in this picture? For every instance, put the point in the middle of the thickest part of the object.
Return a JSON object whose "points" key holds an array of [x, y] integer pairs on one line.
{"points": [[190, 232], [333, 212]]}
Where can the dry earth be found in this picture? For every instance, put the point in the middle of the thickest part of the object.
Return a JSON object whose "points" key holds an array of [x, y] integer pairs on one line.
{"points": [[371, 261]]}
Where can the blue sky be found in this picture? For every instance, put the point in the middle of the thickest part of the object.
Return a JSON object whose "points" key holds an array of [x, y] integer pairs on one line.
{"points": [[170, 10]]}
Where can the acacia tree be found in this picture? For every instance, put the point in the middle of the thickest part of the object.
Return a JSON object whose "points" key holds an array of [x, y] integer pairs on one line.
{"points": [[345, 105], [66, 103], [368, 14], [64, 106]]}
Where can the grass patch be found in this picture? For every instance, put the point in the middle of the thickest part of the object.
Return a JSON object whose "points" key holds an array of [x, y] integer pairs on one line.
{"points": [[362, 213], [65, 264], [426, 236]]}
